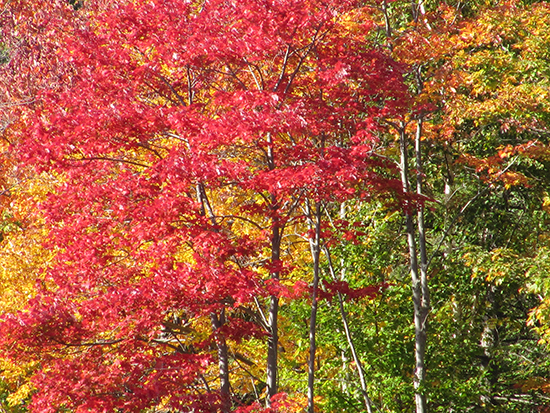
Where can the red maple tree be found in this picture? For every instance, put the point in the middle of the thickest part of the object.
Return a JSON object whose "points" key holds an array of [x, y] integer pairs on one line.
{"points": [[172, 114]]}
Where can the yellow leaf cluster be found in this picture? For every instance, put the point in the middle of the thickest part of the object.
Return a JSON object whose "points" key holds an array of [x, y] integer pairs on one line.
{"points": [[22, 259]]}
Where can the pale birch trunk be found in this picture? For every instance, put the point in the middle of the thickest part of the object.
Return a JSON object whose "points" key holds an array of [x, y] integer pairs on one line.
{"points": [[420, 290]]}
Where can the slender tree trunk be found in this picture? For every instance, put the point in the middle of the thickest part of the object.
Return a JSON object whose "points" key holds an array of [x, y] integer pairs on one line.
{"points": [[420, 312], [273, 340], [487, 344], [449, 181], [223, 361], [217, 321], [425, 301], [315, 245], [356, 359]]}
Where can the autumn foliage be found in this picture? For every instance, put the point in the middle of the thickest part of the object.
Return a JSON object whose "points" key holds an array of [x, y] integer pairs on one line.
{"points": [[218, 205], [180, 132]]}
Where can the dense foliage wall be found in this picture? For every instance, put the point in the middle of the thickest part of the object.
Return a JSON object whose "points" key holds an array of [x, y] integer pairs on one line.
{"points": [[249, 206]]}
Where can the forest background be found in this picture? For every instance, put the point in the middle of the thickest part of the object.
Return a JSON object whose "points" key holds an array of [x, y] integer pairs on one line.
{"points": [[275, 205]]}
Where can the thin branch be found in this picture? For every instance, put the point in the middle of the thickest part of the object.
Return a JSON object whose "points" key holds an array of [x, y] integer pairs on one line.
{"points": [[303, 58], [262, 314], [260, 84], [106, 158], [190, 85], [208, 390], [146, 145], [234, 73], [242, 219], [178, 96], [387, 23], [20, 103], [283, 69], [90, 344], [173, 135]]}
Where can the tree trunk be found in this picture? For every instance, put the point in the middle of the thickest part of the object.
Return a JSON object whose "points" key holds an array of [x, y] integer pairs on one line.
{"points": [[223, 361], [273, 327], [356, 359], [217, 322], [273, 340], [315, 245], [418, 287], [424, 287]]}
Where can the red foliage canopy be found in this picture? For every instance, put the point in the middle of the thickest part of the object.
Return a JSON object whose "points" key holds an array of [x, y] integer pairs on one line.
{"points": [[165, 106]]}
